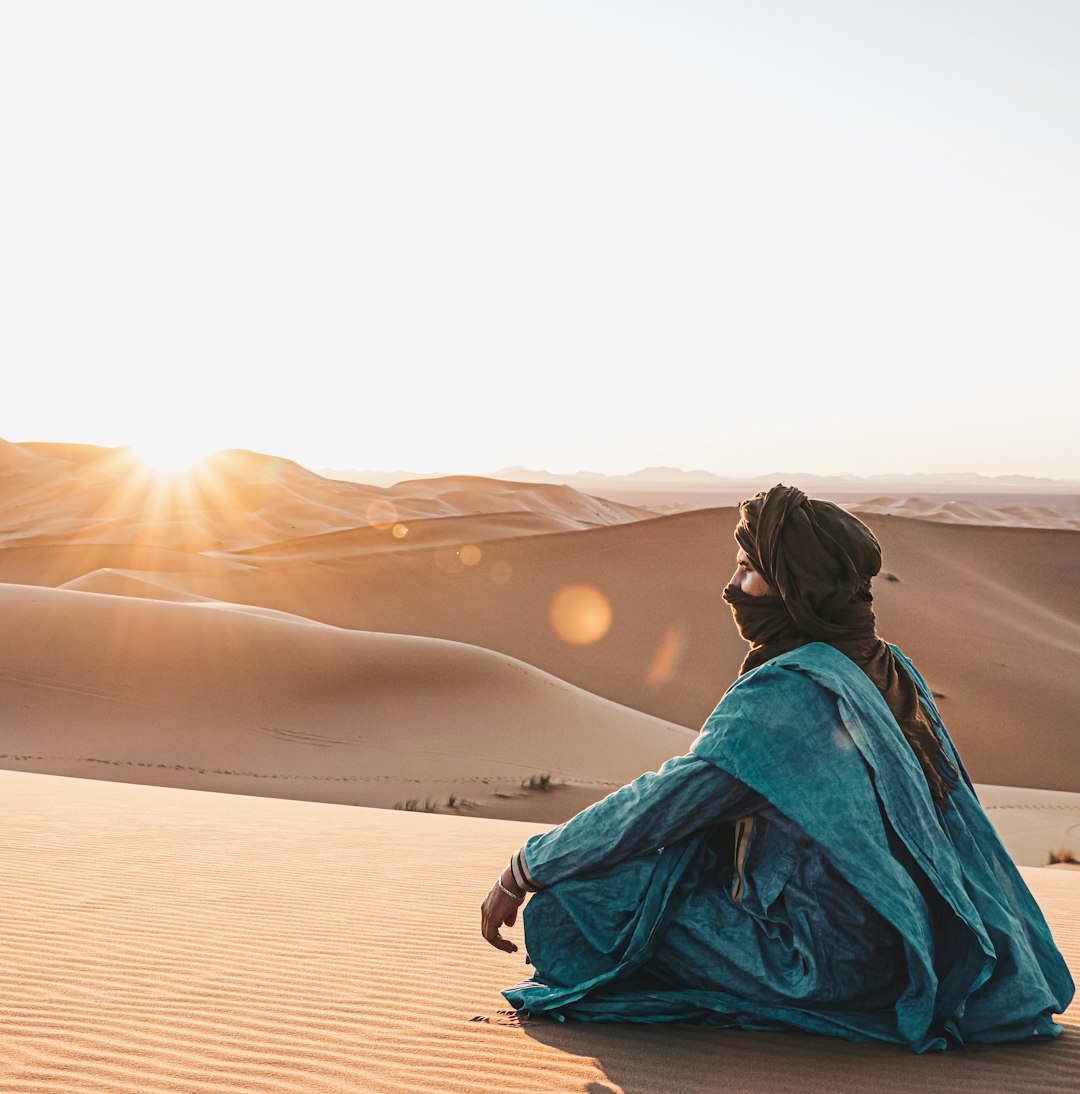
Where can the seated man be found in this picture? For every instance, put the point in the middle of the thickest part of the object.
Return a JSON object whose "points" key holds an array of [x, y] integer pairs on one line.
{"points": [[817, 861]]}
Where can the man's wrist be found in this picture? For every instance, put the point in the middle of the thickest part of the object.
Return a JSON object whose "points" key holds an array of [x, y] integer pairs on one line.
{"points": [[509, 884]]}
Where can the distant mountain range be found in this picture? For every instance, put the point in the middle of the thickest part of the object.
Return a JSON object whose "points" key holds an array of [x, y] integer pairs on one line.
{"points": [[653, 478], [650, 479]]}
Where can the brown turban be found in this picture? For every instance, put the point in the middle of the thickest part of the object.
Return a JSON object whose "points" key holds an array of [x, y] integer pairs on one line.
{"points": [[820, 560]]}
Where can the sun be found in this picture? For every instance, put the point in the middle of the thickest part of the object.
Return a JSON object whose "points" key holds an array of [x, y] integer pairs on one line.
{"points": [[168, 458]]}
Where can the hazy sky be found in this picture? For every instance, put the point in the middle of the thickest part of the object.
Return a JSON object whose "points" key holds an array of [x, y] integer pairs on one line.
{"points": [[839, 235]]}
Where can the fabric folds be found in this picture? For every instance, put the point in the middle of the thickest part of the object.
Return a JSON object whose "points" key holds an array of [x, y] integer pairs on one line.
{"points": [[941, 945]]}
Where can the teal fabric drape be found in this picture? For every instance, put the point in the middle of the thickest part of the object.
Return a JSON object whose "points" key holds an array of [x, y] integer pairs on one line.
{"points": [[865, 912]]}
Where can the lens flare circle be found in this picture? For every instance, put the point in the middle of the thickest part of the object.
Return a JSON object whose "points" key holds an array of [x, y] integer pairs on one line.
{"points": [[501, 571], [382, 514], [666, 658], [580, 614]]}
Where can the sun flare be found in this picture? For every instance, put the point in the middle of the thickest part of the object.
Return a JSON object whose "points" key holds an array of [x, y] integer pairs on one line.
{"points": [[168, 458]]}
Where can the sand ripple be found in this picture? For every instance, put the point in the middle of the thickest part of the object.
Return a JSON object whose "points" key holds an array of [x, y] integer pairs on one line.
{"points": [[160, 940]]}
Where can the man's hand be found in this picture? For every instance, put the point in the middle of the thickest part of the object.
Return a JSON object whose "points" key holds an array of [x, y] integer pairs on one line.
{"points": [[499, 909]]}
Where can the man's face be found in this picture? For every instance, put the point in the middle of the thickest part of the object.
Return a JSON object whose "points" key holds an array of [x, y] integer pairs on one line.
{"points": [[748, 579]]}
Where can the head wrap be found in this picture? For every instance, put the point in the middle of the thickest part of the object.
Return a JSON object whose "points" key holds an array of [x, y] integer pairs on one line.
{"points": [[820, 561]]}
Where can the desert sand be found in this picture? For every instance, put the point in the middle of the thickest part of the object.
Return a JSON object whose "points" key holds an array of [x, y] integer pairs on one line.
{"points": [[158, 939], [262, 599], [214, 697], [989, 614], [208, 680], [198, 694], [952, 511]]}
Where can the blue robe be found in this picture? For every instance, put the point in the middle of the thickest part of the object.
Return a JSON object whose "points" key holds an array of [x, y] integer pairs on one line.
{"points": [[842, 902]]}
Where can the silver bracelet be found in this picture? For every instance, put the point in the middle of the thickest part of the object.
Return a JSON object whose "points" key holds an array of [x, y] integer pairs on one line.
{"points": [[512, 896]]}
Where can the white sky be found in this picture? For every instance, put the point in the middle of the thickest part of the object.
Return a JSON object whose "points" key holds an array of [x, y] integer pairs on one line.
{"points": [[459, 235]]}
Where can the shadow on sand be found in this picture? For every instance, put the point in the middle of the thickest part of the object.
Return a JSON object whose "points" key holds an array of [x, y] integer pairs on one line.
{"points": [[684, 1059]]}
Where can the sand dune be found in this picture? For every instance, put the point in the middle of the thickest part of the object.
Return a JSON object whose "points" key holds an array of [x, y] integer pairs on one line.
{"points": [[991, 614], [951, 511], [137, 583], [263, 631], [210, 696], [169, 940], [72, 495], [476, 494], [1033, 823], [255, 701], [1015, 500]]}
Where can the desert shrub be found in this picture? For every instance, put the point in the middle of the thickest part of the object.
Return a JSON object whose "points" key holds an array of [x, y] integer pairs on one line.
{"points": [[413, 805], [1064, 854]]}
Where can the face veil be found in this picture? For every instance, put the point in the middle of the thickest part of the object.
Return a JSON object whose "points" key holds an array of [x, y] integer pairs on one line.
{"points": [[820, 560]]}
